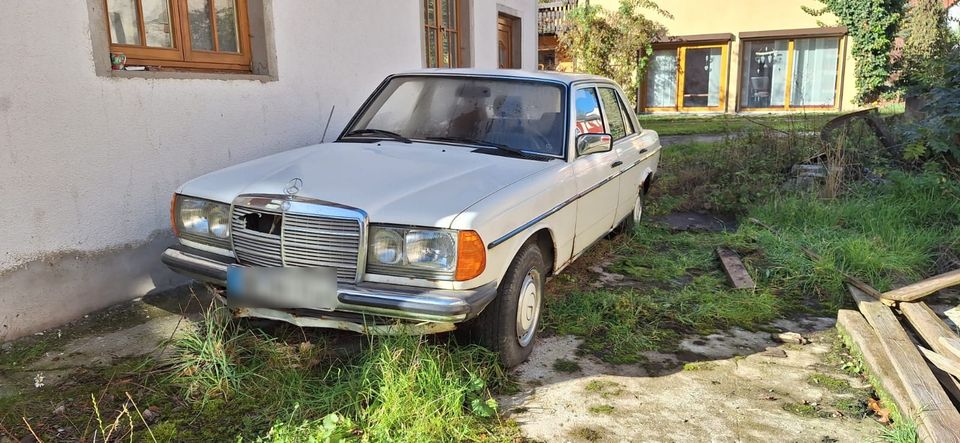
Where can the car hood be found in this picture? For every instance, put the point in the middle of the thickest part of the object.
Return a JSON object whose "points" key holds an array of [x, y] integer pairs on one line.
{"points": [[417, 184]]}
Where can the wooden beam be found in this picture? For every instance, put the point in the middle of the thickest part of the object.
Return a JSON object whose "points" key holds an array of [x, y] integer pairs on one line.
{"points": [[944, 363], [736, 272], [933, 330], [951, 345], [852, 325], [948, 382], [937, 418], [924, 288]]}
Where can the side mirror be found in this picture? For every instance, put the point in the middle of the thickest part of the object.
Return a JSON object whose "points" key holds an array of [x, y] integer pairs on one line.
{"points": [[593, 143]]}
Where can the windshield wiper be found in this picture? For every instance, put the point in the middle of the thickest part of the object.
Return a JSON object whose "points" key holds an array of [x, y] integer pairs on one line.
{"points": [[484, 143], [383, 132]]}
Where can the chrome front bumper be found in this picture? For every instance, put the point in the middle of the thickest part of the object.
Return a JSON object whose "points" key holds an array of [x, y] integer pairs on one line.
{"points": [[394, 301]]}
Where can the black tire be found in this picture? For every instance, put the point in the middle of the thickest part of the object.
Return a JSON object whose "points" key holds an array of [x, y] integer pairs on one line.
{"points": [[496, 328]]}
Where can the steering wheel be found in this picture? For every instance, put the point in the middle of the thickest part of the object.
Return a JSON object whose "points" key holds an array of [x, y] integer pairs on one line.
{"points": [[530, 139]]}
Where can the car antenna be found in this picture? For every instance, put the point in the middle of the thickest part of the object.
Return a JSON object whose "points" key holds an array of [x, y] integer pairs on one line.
{"points": [[329, 117]]}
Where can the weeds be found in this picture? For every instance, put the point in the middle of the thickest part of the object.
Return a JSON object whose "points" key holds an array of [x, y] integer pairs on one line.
{"points": [[679, 289], [732, 175], [400, 389], [832, 384], [728, 124], [602, 409], [881, 233], [564, 365]]}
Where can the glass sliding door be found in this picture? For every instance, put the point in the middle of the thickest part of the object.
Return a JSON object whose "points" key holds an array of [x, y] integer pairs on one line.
{"points": [[815, 71], [789, 73], [686, 78], [763, 83], [662, 79], [701, 77]]}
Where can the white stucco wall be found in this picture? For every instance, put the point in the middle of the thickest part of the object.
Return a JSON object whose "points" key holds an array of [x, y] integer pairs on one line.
{"points": [[485, 43], [88, 162]]}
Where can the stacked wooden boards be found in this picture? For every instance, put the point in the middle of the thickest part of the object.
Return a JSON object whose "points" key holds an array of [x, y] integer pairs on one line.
{"points": [[920, 380]]}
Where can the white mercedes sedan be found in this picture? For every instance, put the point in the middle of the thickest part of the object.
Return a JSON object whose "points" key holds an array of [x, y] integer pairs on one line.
{"points": [[446, 203]]}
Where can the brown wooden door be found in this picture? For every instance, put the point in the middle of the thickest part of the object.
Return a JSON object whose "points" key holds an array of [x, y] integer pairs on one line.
{"points": [[505, 41]]}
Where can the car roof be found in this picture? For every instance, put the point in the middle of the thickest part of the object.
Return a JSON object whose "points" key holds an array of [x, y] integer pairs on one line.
{"points": [[561, 77]]}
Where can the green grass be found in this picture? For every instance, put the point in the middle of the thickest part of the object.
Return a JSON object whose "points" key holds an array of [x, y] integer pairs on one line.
{"points": [[680, 289], [698, 366], [564, 365], [586, 433], [883, 234], [602, 409], [832, 384], [400, 389], [727, 123], [229, 382]]}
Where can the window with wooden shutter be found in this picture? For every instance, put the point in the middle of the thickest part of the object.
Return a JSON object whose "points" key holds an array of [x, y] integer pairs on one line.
{"points": [[190, 34]]}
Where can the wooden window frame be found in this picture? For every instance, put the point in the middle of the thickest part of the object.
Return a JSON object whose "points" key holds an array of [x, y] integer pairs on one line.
{"points": [[788, 89], [681, 49], [182, 55], [441, 28]]}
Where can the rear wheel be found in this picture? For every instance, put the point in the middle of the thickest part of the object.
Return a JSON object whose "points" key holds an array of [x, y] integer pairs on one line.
{"points": [[633, 220], [508, 326]]}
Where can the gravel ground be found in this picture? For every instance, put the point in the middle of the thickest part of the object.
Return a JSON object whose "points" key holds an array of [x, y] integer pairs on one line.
{"points": [[738, 388]]}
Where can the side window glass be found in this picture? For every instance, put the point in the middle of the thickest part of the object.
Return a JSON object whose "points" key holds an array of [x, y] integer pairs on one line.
{"points": [[589, 120], [614, 116], [627, 122]]}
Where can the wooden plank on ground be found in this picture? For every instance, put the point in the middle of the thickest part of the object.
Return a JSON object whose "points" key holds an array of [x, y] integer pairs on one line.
{"points": [[739, 277], [932, 329], [948, 382], [851, 324], [951, 345], [924, 288], [937, 418], [944, 363]]}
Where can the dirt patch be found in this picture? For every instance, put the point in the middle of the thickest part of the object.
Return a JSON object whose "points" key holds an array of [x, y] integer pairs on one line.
{"points": [[736, 390], [99, 340], [697, 221]]}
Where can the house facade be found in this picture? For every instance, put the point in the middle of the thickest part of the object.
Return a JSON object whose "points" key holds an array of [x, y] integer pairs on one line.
{"points": [[746, 56], [90, 156]]}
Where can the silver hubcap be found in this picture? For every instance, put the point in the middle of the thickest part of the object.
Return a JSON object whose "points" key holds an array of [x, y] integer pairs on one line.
{"points": [[528, 307], [638, 210]]}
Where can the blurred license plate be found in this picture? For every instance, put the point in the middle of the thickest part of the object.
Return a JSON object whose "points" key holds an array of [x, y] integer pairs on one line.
{"points": [[282, 288]]}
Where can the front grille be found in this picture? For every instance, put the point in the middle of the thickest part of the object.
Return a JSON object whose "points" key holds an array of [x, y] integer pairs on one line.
{"points": [[305, 240]]}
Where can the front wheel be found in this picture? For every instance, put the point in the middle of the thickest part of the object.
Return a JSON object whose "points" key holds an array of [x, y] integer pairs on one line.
{"points": [[508, 326]]}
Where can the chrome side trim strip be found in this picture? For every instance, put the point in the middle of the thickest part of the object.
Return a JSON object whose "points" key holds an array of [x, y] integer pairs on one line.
{"points": [[557, 208]]}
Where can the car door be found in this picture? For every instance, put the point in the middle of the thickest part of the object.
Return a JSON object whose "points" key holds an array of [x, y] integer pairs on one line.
{"points": [[633, 147], [597, 173]]}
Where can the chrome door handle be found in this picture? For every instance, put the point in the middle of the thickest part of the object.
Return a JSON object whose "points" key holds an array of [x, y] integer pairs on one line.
{"points": [[616, 163]]}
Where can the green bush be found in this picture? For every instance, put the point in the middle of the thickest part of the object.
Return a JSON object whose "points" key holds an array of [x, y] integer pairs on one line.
{"points": [[937, 133]]}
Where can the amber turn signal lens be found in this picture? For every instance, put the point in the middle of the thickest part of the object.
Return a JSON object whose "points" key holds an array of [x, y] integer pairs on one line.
{"points": [[471, 256], [173, 215]]}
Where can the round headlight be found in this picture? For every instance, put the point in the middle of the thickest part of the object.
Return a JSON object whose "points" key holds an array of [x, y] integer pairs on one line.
{"points": [[218, 220], [387, 246]]}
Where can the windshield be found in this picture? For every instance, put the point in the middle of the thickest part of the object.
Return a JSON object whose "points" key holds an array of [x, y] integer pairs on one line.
{"points": [[517, 115]]}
